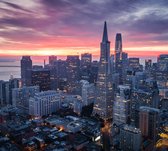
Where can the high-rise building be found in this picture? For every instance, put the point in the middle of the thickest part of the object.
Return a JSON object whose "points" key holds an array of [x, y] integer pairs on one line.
{"points": [[78, 104], [163, 62], [149, 122], [88, 92], [134, 64], [13, 83], [118, 43], [130, 138], [148, 95], [73, 64], [112, 63], [44, 103], [26, 67], [86, 59], [52, 59], [94, 72], [58, 73], [121, 108], [104, 102], [118, 54], [21, 96], [148, 64], [6, 90], [41, 78], [120, 58], [85, 66], [3, 98]]}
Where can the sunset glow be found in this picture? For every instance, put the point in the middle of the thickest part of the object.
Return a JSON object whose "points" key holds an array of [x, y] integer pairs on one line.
{"points": [[60, 27]]}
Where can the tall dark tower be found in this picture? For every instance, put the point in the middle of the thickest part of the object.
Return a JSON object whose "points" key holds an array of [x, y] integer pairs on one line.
{"points": [[103, 104], [118, 43], [26, 67], [120, 58]]}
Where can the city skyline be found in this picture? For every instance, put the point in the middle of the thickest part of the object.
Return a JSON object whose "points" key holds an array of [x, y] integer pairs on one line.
{"points": [[79, 103], [55, 27]]}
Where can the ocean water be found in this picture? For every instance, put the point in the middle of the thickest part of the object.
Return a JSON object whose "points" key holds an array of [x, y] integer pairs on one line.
{"points": [[9, 68]]}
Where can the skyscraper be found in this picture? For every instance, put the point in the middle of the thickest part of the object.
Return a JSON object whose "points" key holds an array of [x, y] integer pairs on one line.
{"points": [[148, 64], [41, 78], [85, 66], [120, 58], [149, 122], [73, 63], [118, 43], [86, 59], [130, 138], [103, 104], [26, 66], [21, 96], [52, 59], [121, 108]]}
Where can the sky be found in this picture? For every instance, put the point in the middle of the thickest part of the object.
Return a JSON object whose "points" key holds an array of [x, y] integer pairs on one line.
{"points": [[73, 27]]}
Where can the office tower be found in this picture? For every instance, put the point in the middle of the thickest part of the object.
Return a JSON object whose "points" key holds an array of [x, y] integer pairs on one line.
{"points": [[44, 103], [94, 72], [121, 108], [118, 43], [161, 73], [85, 66], [88, 92], [3, 99], [6, 90], [52, 59], [162, 62], [26, 66], [13, 83], [21, 96], [130, 78], [130, 138], [1, 92], [78, 104], [73, 63], [140, 78], [112, 63], [148, 64], [149, 122], [163, 104], [104, 102], [148, 95], [86, 59], [41, 78], [58, 73], [134, 64], [120, 58], [53, 75], [62, 69]]}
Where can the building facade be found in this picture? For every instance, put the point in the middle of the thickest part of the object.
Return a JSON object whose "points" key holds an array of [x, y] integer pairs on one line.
{"points": [[21, 96], [26, 67], [41, 78], [121, 108], [104, 102], [44, 103]]}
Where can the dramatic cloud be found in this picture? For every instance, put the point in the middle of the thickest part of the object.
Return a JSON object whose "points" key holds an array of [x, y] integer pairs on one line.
{"points": [[69, 26]]}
